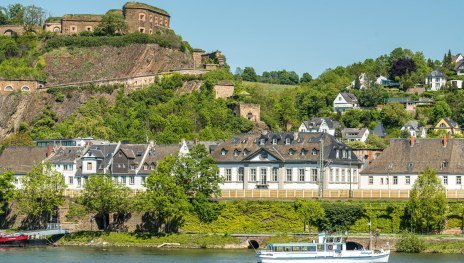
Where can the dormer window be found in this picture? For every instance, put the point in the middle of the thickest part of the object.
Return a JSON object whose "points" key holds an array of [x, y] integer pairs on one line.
{"points": [[291, 152], [444, 165], [287, 141], [223, 152], [345, 155], [314, 152], [274, 141], [236, 152], [262, 141], [245, 141], [245, 152], [299, 140], [410, 165], [337, 154], [264, 155], [304, 151]]}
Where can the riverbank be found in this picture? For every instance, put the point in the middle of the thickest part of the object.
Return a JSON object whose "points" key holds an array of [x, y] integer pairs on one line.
{"points": [[448, 244]]}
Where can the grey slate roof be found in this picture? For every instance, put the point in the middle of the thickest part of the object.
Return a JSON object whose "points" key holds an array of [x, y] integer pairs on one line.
{"points": [[303, 147], [158, 153], [353, 133], [401, 157], [349, 97], [436, 74], [380, 131], [21, 159], [66, 154], [315, 123]]}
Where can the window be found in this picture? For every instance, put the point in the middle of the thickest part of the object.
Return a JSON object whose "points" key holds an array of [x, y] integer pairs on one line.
{"points": [[123, 180], [371, 180], [70, 180], [73, 29], [25, 88], [444, 165], [152, 166], [8, 88], [343, 175], [274, 174], [236, 152], [150, 31], [253, 175], [132, 166], [145, 167], [337, 154], [141, 17], [458, 179], [337, 175], [395, 179], [264, 156], [223, 152], [151, 19], [345, 154], [445, 180], [143, 179], [274, 141], [291, 152], [301, 175], [262, 141], [228, 175], [314, 175], [142, 29], [263, 176], [314, 152], [132, 180], [381, 181], [88, 28], [331, 175], [79, 182], [303, 151], [289, 175], [89, 167], [287, 141], [240, 174], [408, 179]]}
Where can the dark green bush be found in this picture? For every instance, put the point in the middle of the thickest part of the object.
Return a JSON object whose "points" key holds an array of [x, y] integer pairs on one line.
{"points": [[410, 243]]}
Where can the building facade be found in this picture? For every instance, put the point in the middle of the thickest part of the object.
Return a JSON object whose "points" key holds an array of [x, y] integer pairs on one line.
{"points": [[286, 161], [436, 80], [345, 101], [9, 86], [398, 167], [319, 125]]}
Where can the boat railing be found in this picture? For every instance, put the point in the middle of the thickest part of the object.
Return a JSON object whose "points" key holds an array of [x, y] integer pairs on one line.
{"points": [[53, 226]]}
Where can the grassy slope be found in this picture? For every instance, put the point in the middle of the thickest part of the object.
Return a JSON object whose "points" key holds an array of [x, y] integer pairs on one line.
{"points": [[270, 87]]}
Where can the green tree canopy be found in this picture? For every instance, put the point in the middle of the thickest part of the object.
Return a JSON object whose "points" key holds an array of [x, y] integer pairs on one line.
{"points": [[41, 195], [309, 211], [306, 78], [394, 115], [33, 17], [249, 74], [427, 204], [103, 195], [7, 189], [112, 24]]}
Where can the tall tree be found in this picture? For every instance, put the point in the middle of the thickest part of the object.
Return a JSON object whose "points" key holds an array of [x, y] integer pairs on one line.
{"points": [[15, 14], [306, 78], [309, 211], [287, 111], [103, 195], [427, 204], [41, 195], [6, 189], [33, 17], [401, 67], [394, 115], [249, 74], [164, 202]]}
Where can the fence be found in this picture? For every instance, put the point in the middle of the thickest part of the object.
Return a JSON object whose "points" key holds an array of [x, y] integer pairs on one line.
{"points": [[308, 194]]}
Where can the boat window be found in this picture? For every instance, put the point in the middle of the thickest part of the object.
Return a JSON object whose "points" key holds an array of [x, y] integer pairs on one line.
{"points": [[288, 248], [278, 249], [312, 248], [320, 248], [296, 249], [304, 248]]}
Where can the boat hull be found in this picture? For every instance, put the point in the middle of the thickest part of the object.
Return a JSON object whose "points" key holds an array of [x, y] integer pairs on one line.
{"points": [[301, 258], [13, 241]]}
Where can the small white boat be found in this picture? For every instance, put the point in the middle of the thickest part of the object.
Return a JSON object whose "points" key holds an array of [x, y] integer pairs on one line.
{"points": [[327, 250]]}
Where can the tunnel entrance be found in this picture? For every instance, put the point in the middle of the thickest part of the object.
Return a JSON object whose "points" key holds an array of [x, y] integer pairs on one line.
{"points": [[253, 244]]}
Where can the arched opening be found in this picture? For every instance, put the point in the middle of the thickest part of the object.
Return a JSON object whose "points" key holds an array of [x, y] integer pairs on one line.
{"points": [[9, 32], [57, 29], [25, 88], [8, 88], [253, 244], [353, 246], [250, 116]]}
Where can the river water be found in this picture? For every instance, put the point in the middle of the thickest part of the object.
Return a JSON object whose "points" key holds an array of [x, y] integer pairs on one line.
{"points": [[139, 255]]}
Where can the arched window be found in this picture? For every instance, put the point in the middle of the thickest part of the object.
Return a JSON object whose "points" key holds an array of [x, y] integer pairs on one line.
{"points": [[142, 17], [88, 28], [57, 29], [8, 88], [25, 88]]}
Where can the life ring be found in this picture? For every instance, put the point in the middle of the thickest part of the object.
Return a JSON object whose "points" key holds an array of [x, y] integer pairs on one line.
{"points": [[330, 247]]}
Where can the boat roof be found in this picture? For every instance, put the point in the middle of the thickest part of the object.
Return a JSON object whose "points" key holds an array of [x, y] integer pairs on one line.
{"points": [[300, 244]]}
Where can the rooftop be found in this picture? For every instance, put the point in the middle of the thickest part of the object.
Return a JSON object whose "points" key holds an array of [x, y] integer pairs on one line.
{"points": [[137, 5]]}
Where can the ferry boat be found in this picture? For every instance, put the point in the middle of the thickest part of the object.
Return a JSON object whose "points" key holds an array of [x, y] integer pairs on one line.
{"points": [[327, 250], [13, 240]]}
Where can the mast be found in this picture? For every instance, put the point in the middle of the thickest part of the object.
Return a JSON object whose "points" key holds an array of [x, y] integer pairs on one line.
{"points": [[321, 163]]}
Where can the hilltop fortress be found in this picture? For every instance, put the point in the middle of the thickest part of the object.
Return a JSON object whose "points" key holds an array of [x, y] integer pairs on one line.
{"points": [[140, 17]]}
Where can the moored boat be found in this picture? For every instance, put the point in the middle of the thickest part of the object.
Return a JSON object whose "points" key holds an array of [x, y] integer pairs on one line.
{"points": [[327, 250], [13, 240]]}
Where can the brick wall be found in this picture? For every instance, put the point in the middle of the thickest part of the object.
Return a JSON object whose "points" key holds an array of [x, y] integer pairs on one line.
{"points": [[249, 111], [8, 86], [75, 26], [224, 91], [145, 21], [53, 27], [9, 30]]}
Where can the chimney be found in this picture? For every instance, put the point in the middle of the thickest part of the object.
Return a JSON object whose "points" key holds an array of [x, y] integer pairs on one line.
{"points": [[444, 141], [295, 136], [412, 140]]}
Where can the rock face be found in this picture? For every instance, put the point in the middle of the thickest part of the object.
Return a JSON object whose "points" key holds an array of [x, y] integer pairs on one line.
{"points": [[106, 62]]}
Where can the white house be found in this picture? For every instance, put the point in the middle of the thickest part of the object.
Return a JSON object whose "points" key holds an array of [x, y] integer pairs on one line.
{"points": [[345, 101], [436, 80], [459, 68], [399, 165], [415, 129], [286, 161], [381, 80], [363, 81], [66, 160], [457, 58], [319, 125], [355, 134]]}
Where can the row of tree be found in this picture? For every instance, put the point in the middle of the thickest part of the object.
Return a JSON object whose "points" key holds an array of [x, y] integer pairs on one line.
{"points": [[275, 77], [30, 16], [425, 212], [178, 186]]}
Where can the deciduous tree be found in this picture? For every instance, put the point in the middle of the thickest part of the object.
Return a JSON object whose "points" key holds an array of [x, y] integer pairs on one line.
{"points": [[427, 204], [112, 24], [6, 189], [309, 211]]}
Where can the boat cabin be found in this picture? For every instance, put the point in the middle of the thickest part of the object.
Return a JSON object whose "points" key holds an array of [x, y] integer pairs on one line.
{"points": [[325, 244]]}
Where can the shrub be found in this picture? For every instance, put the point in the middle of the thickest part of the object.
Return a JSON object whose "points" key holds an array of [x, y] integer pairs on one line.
{"points": [[410, 243]]}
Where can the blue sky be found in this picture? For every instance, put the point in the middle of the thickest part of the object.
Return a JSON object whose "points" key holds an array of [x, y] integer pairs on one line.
{"points": [[300, 35]]}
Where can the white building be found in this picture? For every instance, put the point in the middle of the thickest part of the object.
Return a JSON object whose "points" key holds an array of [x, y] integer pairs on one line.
{"points": [[397, 168], [286, 161], [355, 134], [345, 101], [66, 160], [319, 125], [459, 68], [415, 129], [436, 80], [456, 83]]}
